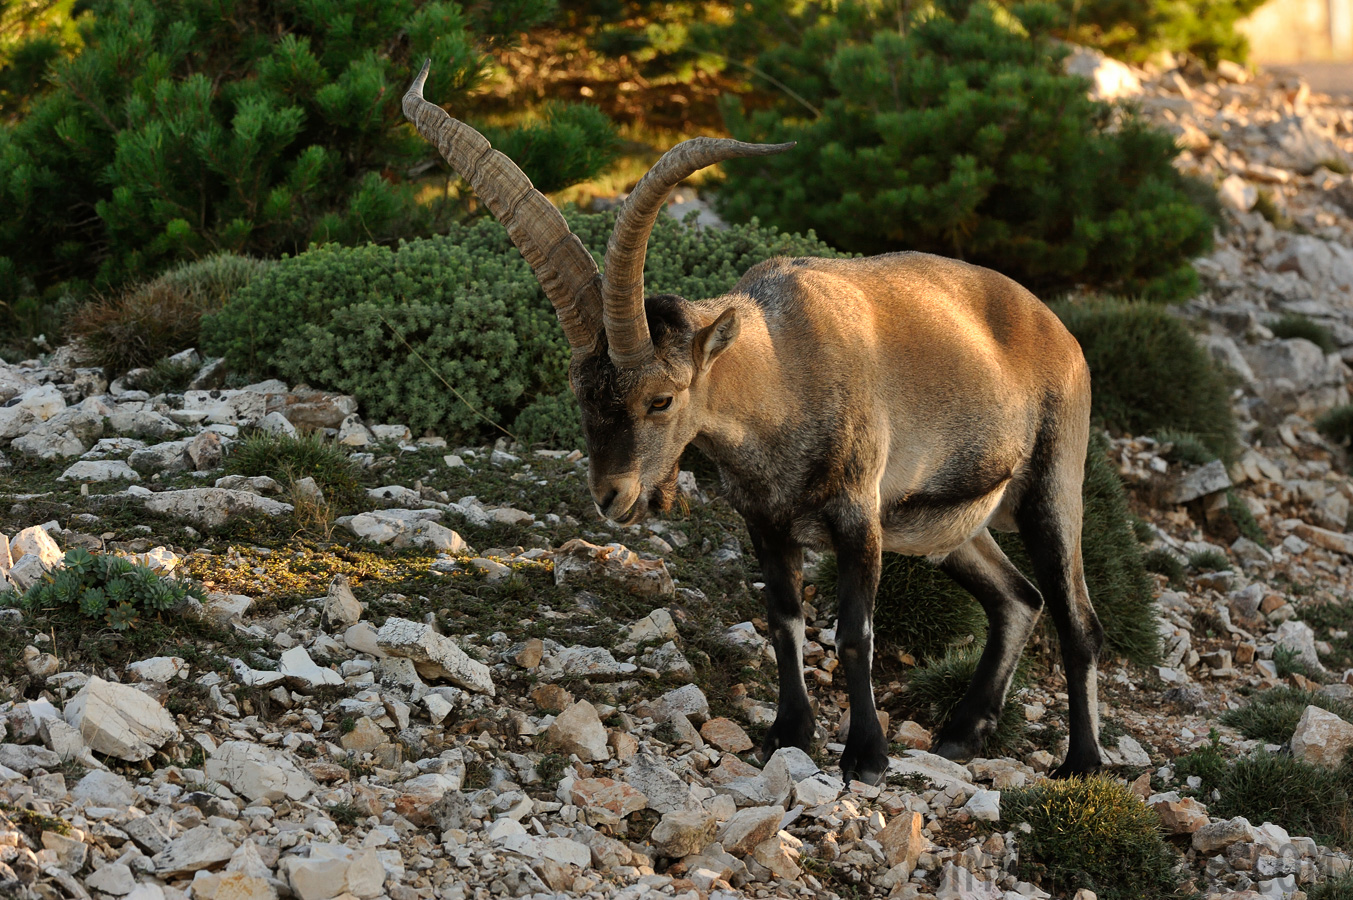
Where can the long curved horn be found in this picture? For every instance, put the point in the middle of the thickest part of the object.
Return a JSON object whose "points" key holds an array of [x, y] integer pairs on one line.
{"points": [[566, 271], [622, 291]]}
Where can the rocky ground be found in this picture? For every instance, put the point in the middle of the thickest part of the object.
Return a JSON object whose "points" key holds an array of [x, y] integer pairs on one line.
{"points": [[470, 686]]}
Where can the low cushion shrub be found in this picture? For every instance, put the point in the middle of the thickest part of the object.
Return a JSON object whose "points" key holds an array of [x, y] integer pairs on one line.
{"points": [[952, 128], [1091, 833], [1148, 374], [453, 333]]}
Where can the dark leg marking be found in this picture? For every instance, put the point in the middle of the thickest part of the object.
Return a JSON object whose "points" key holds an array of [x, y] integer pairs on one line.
{"points": [[858, 541], [781, 561], [1012, 605], [1049, 519]]}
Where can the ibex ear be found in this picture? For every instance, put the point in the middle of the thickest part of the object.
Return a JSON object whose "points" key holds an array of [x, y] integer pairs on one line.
{"points": [[715, 338]]}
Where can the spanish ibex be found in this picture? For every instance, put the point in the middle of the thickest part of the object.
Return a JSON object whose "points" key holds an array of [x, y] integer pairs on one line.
{"points": [[903, 402]]}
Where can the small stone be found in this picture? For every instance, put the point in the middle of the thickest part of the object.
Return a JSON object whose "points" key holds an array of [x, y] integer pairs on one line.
{"points": [[435, 656], [683, 832], [213, 507], [578, 729], [304, 673], [103, 788], [1181, 816], [71, 853], [1218, 835], [1237, 193], [727, 735], [258, 772], [530, 655], [365, 737], [687, 700], [1321, 737], [818, 790], [902, 840], [551, 698], [749, 827], [341, 608], [913, 735], [984, 806], [158, 669], [780, 854], [1200, 482], [577, 559], [203, 847], [119, 721], [606, 793], [113, 878], [40, 665]]}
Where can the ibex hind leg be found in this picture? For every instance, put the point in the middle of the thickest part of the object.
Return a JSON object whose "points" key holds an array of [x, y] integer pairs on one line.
{"points": [[1049, 518], [781, 561], [1012, 606]]}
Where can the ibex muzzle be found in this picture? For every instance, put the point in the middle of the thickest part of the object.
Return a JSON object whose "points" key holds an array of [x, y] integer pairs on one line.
{"points": [[903, 402]]}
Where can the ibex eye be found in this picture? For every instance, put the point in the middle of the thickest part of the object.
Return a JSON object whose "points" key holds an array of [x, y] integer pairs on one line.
{"points": [[662, 403]]}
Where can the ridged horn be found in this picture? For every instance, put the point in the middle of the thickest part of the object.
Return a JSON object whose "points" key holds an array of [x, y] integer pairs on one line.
{"points": [[566, 271], [622, 290]]}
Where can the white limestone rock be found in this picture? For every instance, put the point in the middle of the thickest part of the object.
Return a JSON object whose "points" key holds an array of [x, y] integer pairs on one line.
{"points": [[341, 608], [212, 507], [435, 656], [100, 470], [578, 729], [203, 847], [158, 669], [1321, 737], [258, 772], [304, 673], [120, 721]]}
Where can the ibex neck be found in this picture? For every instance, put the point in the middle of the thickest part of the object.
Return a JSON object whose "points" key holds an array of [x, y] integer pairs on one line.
{"points": [[746, 399]]}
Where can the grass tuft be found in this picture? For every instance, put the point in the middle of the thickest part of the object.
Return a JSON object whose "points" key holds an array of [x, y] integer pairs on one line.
{"points": [[937, 688], [1293, 325], [1337, 424], [289, 459], [1163, 562], [1303, 798], [1091, 833], [1272, 715], [1209, 561]]}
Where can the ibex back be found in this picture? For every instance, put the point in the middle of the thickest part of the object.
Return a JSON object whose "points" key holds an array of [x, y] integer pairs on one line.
{"points": [[903, 402]]}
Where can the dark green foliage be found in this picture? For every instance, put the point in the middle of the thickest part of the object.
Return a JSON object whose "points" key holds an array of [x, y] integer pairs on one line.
{"points": [[568, 144], [1337, 424], [453, 333], [107, 589], [1209, 561], [922, 610], [33, 34], [1272, 715], [289, 459], [952, 128], [1287, 661], [1163, 562], [1340, 888], [186, 127], [1091, 833], [919, 609], [937, 688], [1297, 326], [1303, 798], [1135, 29], [1185, 448], [1244, 520], [166, 377], [1208, 762], [1149, 375]]}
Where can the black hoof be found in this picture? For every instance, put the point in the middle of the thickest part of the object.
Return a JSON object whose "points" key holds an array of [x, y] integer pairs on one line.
{"points": [[1077, 765], [868, 765], [788, 732], [958, 744]]}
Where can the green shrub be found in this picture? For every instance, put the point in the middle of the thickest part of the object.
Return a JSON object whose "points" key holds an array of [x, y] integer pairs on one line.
{"points": [[183, 127], [936, 689], [1244, 520], [209, 282], [109, 590], [1091, 833], [1301, 797], [922, 610], [1337, 424], [1209, 561], [1297, 326], [1185, 448], [1149, 375], [165, 377], [1272, 715], [453, 332], [288, 459], [1338, 888], [952, 128], [1136, 30], [1207, 762], [1163, 562]]}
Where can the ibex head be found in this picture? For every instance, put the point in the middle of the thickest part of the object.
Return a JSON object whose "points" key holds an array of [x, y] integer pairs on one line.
{"points": [[637, 368]]}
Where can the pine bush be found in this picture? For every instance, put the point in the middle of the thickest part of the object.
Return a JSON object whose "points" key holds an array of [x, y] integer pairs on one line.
{"points": [[1136, 29], [920, 609], [1148, 375], [453, 333], [187, 127], [952, 128]]}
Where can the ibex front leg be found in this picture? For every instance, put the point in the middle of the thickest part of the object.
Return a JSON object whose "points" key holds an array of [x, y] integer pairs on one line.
{"points": [[781, 561], [858, 542]]}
